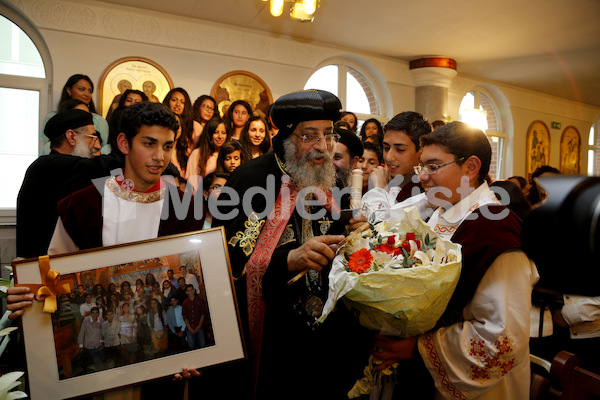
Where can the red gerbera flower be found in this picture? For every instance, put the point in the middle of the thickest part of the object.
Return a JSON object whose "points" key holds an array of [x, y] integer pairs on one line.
{"points": [[386, 248], [360, 261]]}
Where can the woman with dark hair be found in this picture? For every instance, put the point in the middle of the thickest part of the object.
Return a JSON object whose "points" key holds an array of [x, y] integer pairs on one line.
{"points": [[231, 156], [255, 137], [511, 196], [112, 289], [204, 109], [157, 321], [144, 336], [73, 103], [369, 128], [129, 97], [376, 139], [150, 280], [98, 291], [203, 160], [79, 87], [126, 288], [350, 118], [238, 114], [179, 102]]}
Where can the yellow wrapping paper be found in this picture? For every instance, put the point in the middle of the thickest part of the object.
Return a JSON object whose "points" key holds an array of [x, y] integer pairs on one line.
{"points": [[397, 302]]}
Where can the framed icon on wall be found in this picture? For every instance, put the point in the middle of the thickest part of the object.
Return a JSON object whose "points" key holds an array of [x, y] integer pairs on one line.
{"points": [[242, 85], [538, 146], [570, 151], [131, 73]]}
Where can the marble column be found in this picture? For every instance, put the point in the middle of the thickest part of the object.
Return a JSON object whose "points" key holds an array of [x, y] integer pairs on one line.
{"points": [[432, 77]]}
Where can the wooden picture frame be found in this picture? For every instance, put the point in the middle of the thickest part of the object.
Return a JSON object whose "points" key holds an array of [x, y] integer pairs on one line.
{"points": [[570, 151], [51, 353], [538, 146], [131, 73], [242, 85]]}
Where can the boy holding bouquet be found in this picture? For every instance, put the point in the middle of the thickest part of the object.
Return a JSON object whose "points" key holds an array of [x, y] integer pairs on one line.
{"points": [[479, 347]]}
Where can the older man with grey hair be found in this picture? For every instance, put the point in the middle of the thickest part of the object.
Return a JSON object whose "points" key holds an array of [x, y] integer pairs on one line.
{"points": [[278, 230]]}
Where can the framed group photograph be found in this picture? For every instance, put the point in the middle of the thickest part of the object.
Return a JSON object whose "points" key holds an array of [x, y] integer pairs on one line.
{"points": [[570, 151], [127, 316], [242, 85], [538, 146], [137, 73]]}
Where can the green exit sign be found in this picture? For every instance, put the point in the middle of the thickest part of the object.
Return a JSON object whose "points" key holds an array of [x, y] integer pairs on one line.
{"points": [[555, 125]]}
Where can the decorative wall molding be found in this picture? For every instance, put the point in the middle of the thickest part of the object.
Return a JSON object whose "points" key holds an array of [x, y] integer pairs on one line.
{"points": [[128, 24]]}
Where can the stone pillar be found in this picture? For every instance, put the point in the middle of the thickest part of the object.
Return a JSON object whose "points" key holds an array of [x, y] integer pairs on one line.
{"points": [[432, 77]]}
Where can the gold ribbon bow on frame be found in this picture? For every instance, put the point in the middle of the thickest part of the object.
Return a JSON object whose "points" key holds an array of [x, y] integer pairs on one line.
{"points": [[50, 287]]}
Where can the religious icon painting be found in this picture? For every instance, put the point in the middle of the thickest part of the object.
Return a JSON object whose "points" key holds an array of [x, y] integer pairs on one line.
{"points": [[131, 73], [242, 85], [570, 151], [538, 146]]}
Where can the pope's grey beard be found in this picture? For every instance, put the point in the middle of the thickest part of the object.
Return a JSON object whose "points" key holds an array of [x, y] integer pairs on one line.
{"points": [[81, 149], [306, 174]]}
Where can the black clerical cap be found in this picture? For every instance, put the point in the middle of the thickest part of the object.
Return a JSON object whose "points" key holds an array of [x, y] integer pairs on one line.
{"points": [[306, 105], [65, 120], [351, 141]]}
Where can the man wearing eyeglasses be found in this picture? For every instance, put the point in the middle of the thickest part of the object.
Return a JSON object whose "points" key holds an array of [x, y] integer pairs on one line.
{"points": [[480, 346], [272, 240], [70, 166]]}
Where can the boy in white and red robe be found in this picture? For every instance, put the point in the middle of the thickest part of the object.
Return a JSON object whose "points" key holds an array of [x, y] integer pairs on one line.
{"points": [[136, 205], [480, 346]]}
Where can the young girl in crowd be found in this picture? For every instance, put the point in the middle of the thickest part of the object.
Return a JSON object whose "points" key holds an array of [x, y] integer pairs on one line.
{"points": [[168, 291], [126, 288], [350, 118], [204, 109], [157, 321], [78, 87], [179, 102], [155, 294], [101, 304], [230, 157], [212, 185], [143, 338], [238, 114], [113, 304], [376, 139], [372, 158], [150, 280], [140, 298], [112, 289], [98, 291], [255, 137], [128, 334], [128, 98], [369, 128], [203, 160], [139, 283]]}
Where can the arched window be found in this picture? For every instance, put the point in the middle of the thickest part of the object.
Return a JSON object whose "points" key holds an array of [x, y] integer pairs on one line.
{"points": [[355, 91], [594, 150], [478, 110], [24, 100]]}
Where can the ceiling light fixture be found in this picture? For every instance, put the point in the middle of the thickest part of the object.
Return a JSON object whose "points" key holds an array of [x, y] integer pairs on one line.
{"points": [[300, 10]]}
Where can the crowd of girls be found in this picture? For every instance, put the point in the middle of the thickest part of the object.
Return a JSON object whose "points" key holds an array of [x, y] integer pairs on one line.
{"points": [[208, 141]]}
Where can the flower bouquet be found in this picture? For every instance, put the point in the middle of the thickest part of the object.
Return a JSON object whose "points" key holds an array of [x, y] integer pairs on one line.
{"points": [[397, 278]]}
